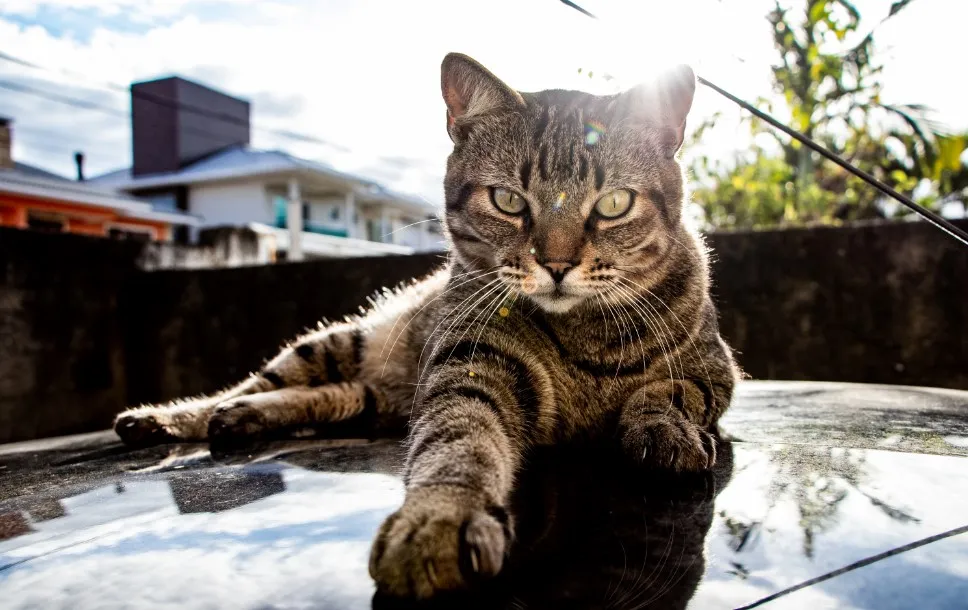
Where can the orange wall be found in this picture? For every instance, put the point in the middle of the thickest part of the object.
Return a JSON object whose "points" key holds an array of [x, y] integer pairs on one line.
{"points": [[85, 220]]}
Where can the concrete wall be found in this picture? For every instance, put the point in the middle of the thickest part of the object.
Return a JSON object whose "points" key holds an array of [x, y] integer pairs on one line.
{"points": [[62, 356], [217, 247], [83, 332], [879, 303]]}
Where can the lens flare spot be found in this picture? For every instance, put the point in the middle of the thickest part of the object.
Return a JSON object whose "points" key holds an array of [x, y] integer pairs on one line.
{"points": [[593, 132], [559, 200], [532, 250], [504, 312], [471, 373], [529, 285]]}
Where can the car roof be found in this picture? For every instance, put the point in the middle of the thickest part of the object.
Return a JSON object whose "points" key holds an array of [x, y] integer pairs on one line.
{"points": [[829, 495]]}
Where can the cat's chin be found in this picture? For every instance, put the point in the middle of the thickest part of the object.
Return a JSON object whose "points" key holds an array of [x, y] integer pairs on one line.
{"points": [[559, 303]]}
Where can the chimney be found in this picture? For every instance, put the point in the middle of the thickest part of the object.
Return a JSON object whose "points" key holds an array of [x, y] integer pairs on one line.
{"points": [[6, 143], [175, 122], [79, 161]]}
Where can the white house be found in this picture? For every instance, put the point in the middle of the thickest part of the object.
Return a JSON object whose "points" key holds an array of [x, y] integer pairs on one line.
{"points": [[191, 154], [331, 213]]}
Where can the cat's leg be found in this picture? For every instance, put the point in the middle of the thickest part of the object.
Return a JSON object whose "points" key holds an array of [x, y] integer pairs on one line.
{"points": [[668, 424], [327, 356], [465, 446], [292, 407]]}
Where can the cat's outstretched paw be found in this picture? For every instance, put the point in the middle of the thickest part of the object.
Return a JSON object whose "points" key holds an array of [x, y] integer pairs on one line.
{"points": [[234, 420], [670, 442], [141, 428], [442, 539]]}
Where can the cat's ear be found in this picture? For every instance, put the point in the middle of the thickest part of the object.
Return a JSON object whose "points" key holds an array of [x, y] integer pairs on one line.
{"points": [[663, 102], [471, 91]]}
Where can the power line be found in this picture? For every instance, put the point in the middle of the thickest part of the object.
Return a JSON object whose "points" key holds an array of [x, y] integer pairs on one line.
{"points": [[884, 188], [858, 564], [86, 104], [205, 112]]}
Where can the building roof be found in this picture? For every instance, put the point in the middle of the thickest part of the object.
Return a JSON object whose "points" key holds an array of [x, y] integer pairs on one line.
{"points": [[35, 172], [244, 162], [33, 182]]}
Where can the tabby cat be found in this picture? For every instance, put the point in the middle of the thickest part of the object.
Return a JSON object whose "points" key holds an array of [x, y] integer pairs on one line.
{"points": [[575, 304]]}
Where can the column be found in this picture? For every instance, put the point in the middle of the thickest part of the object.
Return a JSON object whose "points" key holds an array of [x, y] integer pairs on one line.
{"points": [[424, 236], [294, 221], [349, 214], [385, 226]]}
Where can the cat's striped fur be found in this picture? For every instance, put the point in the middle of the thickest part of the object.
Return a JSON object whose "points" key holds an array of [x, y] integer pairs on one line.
{"points": [[545, 326]]}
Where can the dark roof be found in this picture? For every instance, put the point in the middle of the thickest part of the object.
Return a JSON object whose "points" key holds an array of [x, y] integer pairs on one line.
{"points": [[33, 171]]}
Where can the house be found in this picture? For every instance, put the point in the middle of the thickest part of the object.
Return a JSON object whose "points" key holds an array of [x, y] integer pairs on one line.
{"points": [[31, 198], [192, 154]]}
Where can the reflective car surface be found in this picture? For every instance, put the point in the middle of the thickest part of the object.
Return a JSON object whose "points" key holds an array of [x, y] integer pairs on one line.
{"points": [[828, 496]]}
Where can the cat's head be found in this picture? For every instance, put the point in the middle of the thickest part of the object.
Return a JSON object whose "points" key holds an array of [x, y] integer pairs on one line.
{"points": [[566, 196]]}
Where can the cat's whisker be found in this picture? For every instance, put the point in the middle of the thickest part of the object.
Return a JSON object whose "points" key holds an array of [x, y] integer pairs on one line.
{"points": [[656, 569], [412, 224], [459, 320], [623, 330], [651, 324], [671, 580], [663, 329], [482, 274], [638, 337], [447, 317], [667, 344], [691, 336], [499, 300]]}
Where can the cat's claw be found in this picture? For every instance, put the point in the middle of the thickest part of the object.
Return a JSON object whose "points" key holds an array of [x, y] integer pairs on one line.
{"points": [[672, 443], [235, 419], [140, 429], [439, 541]]}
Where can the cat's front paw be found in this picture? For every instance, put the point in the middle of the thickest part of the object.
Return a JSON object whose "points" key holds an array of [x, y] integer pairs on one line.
{"points": [[442, 539], [235, 420], [141, 428], [670, 442]]}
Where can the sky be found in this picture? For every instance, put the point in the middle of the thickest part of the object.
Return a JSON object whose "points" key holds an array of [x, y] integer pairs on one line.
{"points": [[363, 75]]}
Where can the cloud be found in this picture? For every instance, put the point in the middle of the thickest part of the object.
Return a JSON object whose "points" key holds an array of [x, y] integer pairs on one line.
{"points": [[307, 547], [365, 74]]}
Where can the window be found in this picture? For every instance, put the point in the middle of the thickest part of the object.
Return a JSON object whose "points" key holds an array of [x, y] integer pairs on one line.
{"points": [[163, 201], [129, 234], [50, 223], [280, 203]]}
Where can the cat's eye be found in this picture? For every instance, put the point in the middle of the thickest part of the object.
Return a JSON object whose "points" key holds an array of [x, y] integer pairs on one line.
{"points": [[507, 201], [614, 204]]}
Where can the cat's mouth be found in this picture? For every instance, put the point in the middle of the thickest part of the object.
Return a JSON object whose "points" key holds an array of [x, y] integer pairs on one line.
{"points": [[558, 299]]}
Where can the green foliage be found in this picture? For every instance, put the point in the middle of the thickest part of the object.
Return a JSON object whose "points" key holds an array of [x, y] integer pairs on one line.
{"points": [[832, 94]]}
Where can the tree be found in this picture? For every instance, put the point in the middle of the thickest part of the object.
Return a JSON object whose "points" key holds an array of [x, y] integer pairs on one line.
{"points": [[832, 93]]}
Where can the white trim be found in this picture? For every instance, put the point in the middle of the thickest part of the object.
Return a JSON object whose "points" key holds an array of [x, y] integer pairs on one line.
{"points": [[328, 245], [78, 195]]}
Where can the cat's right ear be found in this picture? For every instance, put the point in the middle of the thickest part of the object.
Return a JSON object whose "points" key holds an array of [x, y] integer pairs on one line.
{"points": [[471, 91]]}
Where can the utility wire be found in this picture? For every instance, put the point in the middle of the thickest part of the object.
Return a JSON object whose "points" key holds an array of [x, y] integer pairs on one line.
{"points": [[884, 188], [857, 564], [201, 111]]}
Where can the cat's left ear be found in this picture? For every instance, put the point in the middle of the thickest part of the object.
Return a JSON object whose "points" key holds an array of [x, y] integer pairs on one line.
{"points": [[664, 103], [471, 91]]}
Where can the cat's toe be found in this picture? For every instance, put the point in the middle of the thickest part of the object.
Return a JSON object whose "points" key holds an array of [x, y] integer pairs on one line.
{"points": [[235, 420], [433, 545], [672, 443], [141, 429]]}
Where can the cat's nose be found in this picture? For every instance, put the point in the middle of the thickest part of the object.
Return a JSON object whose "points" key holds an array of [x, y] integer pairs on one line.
{"points": [[558, 269]]}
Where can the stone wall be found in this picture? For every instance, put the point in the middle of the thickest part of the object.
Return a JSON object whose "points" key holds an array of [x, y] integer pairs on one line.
{"points": [[84, 332]]}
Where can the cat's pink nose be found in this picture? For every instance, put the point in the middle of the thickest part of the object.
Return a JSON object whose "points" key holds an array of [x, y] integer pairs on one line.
{"points": [[558, 269]]}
